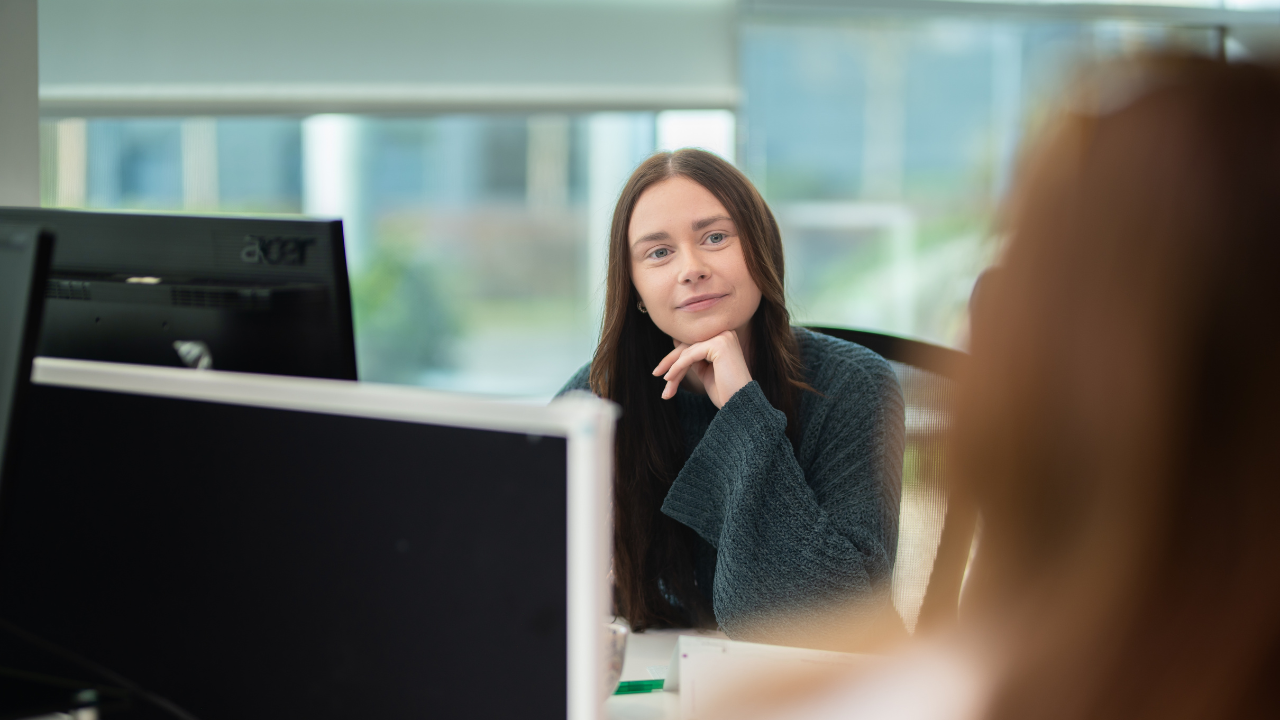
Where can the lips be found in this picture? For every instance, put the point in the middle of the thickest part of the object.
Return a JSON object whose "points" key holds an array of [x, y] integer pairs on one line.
{"points": [[701, 302]]}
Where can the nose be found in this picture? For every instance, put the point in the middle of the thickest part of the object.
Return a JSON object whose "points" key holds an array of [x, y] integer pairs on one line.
{"points": [[694, 269]]}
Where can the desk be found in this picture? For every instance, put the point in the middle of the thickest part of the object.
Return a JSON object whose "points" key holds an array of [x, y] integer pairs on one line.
{"points": [[652, 647]]}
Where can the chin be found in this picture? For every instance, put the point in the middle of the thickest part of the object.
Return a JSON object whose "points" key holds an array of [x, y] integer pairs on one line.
{"points": [[699, 332]]}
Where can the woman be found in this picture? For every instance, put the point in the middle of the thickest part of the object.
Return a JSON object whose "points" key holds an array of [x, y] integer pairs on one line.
{"points": [[1118, 428], [757, 466]]}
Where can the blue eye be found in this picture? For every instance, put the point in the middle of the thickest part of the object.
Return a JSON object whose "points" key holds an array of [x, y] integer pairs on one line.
{"points": [[716, 238], [659, 253]]}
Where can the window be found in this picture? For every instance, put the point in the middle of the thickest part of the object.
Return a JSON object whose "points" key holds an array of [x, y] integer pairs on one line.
{"points": [[885, 145], [467, 235], [477, 242]]}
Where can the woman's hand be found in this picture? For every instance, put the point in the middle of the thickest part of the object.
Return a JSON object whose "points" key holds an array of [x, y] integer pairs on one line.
{"points": [[718, 363]]}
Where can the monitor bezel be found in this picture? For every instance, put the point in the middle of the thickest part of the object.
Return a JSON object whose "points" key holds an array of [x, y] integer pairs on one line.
{"points": [[586, 422]]}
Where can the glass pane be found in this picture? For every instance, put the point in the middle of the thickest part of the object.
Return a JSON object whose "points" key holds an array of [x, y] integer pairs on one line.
{"points": [[467, 235], [885, 147]]}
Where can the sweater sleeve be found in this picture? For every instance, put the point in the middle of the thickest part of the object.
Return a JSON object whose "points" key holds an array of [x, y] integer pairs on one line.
{"points": [[793, 542]]}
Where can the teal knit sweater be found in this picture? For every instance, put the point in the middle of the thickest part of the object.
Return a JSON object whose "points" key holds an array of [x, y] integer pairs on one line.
{"points": [[793, 532]]}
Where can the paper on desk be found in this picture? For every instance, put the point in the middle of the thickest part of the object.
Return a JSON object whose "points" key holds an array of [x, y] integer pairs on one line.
{"points": [[706, 671]]}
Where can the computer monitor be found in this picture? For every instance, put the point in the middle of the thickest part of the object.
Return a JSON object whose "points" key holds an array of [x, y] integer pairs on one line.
{"points": [[264, 295], [218, 545], [24, 265]]}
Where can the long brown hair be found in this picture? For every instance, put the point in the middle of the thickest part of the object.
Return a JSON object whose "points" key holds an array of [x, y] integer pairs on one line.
{"points": [[1118, 430], [653, 555]]}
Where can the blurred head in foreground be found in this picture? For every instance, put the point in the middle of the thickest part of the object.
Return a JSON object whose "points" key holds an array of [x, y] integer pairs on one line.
{"points": [[1118, 423]]}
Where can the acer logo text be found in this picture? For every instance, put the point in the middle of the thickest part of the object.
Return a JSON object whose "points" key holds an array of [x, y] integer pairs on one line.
{"points": [[263, 250]]}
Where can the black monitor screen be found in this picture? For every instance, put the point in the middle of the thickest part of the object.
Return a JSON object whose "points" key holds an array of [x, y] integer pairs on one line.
{"points": [[246, 563], [262, 295]]}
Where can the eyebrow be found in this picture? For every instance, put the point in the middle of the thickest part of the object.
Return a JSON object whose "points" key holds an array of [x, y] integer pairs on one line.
{"points": [[710, 221], [652, 237], [664, 235]]}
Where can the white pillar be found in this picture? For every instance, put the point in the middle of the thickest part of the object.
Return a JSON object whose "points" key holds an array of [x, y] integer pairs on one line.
{"points": [[200, 164], [331, 177], [70, 162], [547, 163], [19, 104], [611, 158], [710, 130]]}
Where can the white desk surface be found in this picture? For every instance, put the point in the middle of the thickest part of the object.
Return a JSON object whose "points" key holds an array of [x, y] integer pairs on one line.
{"points": [[652, 647]]}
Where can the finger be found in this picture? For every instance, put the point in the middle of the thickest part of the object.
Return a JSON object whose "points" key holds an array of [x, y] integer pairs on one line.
{"points": [[707, 353], [673, 384], [691, 355], [679, 368], [669, 359], [724, 346]]}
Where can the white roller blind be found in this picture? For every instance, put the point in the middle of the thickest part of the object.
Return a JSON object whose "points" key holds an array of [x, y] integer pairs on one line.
{"points": [[227, 56]]}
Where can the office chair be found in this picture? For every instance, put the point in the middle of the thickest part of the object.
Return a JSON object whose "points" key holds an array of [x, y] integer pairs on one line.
{"points": [[934, 530]]}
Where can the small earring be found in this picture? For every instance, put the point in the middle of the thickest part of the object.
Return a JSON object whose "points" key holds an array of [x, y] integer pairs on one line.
{"points": [[640, 306]]}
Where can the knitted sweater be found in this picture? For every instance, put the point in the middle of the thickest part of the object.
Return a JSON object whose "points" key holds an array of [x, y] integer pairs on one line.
{"points": [[793, 532]]}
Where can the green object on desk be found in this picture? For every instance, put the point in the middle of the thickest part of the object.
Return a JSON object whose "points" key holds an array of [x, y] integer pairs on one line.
{"points": [[638, 686]]}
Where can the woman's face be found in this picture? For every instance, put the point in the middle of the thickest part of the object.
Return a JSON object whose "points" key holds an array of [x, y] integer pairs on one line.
{"points": [[687, 263]]}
